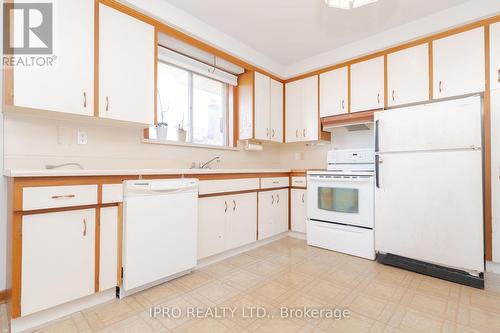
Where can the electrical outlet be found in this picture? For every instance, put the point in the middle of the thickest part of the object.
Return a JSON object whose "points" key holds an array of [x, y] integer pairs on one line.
{"points": [[82, 137]]}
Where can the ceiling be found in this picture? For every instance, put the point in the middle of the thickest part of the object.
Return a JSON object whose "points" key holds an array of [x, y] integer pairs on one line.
{"points": [[292, 30]]}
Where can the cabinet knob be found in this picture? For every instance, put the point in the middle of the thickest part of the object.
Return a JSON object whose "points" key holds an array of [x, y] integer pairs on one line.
{"points": [[378, 98], [440, 86], [267, 132], [278, 196], [225, 206], [342, 104], [234, 205], [84, 99], [274, 132], [84, 227], [499, 75], [393, 94], [304, 132], [107, 103], [303, 199], [297, 133], [272, 199]]}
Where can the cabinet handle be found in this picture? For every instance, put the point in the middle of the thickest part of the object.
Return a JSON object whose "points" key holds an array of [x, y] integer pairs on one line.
{"points": [[68, 196], [267, 132], [107, 103], [272, 199], [393, 94], [303, 199], [234, 205], [278, 196], [297, 133], [225, 206], [274, 133], [378, 98], [342, 104], [84, 99], [304, 133], [499, 75], [440, 86], [84, 227]]}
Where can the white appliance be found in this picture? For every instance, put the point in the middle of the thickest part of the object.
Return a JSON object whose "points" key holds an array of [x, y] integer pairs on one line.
{"points": [[429, 188], [160, 224], [340, 208]]}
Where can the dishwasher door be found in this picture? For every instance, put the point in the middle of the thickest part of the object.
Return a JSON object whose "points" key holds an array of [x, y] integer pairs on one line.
{"points": [[160, 222]]}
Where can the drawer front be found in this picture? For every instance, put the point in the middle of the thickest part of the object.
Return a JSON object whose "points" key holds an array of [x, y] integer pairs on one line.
{"points": [[228, 185], [112, 193], [45, 197], [351, 240], [299, 182], [274, 182]]}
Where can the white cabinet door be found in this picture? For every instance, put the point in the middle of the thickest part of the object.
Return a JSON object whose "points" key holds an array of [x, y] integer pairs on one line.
{"points": [[266, 214], [276, 111], [241, 227], [495, 171], [280, 211], [262, 100], [333, 92], [58, 258], [495, 56], [408, 75], [126, 67], [68, 85], [459, 64], [298, 210], [108, 249], [367, 85], [212, 225], [310, 109], [293, 105]]}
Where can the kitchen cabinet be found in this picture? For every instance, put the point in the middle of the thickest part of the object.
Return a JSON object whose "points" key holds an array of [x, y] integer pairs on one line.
{"points": [[272, 213], [298, 210], [262, 98], [126, 67], [367, 85], [333, 92], [408, 75], [58, 258], [68, 85], [226, 222], [495, 56], [301, 105], [276, 111], [108, 248], [458, 64]]}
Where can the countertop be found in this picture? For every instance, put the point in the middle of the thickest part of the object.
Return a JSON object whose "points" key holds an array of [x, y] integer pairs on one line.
{"points": [[124, 172]]}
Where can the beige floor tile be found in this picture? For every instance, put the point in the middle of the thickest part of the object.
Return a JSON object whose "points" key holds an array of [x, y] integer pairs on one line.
{"points": [[131, 325], [326, 292], [240, 260], [219, 270], [264, 268], [215, 292], [368, 306], [414, 321], [292, 279], [158, 294], [242, 279], [268, 291], [111, 312], [65, 325], [355, 324], [192, 281]]}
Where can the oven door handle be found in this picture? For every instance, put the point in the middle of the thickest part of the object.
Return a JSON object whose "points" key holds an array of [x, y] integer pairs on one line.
{"points": [[377, 171], [344, 180]]}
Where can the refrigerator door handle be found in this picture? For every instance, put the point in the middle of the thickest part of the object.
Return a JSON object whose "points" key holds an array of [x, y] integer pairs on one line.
{"points": [[377, 162], [376, 137]]}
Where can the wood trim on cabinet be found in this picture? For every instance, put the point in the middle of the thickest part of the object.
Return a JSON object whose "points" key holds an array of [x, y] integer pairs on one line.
{"points": [[8, 72], [245, 101], [386, 83], [168, 30], [96, 58], [97, 249], [348, 89], [348, 118], [488, 227], [120, 240], [431, 70], [155, 97], [4, 296], [236, 114], [17, 253], [220, 194]]}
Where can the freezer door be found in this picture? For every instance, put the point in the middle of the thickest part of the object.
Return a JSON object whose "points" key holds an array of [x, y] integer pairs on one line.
{"points": [[452, 124], [429, 207]]}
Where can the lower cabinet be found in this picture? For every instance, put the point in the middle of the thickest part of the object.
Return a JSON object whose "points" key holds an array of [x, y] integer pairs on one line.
{"points": [[299, 210], [273, 213], [108, 248], [58, 258], [226, 222]]}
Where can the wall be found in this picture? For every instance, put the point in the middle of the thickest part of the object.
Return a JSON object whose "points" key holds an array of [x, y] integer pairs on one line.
{"points": [[343, 139], [3, 190], [34, 142]]}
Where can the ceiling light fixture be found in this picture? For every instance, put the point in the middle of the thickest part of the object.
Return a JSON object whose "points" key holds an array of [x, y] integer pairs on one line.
{"points": [[348, 4]]}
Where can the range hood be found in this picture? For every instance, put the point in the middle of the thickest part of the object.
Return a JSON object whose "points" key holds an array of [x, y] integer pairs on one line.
{"points": [[358, 121]]}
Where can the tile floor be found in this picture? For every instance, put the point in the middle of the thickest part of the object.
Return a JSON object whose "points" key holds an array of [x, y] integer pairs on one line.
{"points": [[288, 273]]}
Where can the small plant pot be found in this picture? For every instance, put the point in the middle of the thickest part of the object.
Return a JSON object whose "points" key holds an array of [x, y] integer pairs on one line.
{"points": [[181, 135], [161, 132]]}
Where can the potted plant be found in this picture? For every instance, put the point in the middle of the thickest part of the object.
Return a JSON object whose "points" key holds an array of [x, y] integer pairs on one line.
{"points": [[181, 132], [162, 127]]}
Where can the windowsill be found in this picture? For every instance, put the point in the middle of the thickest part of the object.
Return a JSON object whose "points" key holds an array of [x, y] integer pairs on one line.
{"points": [[187, 144]]}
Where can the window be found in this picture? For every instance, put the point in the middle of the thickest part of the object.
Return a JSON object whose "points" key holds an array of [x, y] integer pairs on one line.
{"points": [[195, 103]]}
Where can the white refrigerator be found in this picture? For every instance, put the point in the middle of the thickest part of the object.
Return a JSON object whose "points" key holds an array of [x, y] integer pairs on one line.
{"points": [[429, 184]]}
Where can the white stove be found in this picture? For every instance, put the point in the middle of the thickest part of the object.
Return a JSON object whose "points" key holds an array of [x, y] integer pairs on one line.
{"points": [[340, 208]]}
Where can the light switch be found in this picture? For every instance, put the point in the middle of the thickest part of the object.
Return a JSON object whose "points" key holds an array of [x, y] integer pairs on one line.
{"points": [[82, 137]]}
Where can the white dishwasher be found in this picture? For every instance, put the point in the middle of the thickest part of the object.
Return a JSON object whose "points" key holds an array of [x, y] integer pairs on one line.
{"points": [[160, 227]]}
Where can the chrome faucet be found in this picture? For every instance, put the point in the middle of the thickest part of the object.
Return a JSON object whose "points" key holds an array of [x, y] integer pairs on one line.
{"points": [[206, 165]]}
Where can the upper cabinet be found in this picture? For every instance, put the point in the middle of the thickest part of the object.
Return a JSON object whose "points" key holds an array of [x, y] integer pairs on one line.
{"points": [[495, 56], [68, 86], [333, 92], [260, 101], [408, 75], [126, 67], [458, 64], [301, 115], [367, 85]]}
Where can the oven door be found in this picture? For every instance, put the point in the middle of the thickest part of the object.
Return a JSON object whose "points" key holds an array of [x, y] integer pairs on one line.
{"points": [[341, 199]]}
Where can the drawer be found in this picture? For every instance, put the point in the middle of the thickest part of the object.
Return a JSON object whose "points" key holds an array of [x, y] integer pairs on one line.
{"points": [[299, 182], [45, 197], [346, 239], [112, 193], [274, 182], [228, 185]]}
